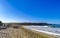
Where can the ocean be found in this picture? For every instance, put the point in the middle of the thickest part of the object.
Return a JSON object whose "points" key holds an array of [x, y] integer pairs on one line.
{"points": [[55, 25]]}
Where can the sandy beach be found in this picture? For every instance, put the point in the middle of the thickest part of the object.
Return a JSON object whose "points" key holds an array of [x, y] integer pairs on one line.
{"points": [[21, 33]]}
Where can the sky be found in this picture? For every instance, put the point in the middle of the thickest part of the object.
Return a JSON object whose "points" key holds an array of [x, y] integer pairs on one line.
{"points": [[30, 11]]}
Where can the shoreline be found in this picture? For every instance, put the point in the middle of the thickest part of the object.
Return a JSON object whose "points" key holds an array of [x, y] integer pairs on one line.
{"points": [[36, 34], [46, 32], [50, 33]]}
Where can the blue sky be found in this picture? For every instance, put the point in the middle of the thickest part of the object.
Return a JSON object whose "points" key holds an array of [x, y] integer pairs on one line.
{"points": [[30, 11]]}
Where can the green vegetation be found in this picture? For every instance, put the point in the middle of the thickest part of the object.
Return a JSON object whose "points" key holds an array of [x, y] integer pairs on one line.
{"points": [[1, 23]]}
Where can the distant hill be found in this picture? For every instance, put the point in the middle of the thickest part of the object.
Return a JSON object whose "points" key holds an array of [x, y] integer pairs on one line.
{"points": [[27, 23]]}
